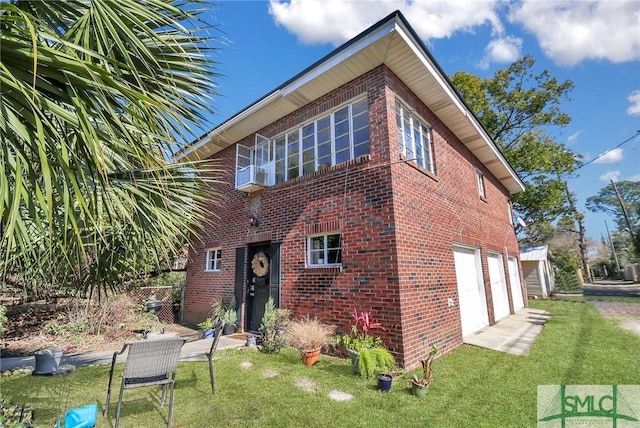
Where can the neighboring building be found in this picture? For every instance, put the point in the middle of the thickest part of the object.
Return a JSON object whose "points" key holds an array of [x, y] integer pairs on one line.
{"points": [[363, 182], [537, 271]]}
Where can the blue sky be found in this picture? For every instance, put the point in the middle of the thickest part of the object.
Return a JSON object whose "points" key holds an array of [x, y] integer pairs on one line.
{"points": [[596, 44]]}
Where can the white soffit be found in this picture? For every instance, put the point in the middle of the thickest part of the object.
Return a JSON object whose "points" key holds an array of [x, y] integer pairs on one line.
{"points": [[392, 44]]}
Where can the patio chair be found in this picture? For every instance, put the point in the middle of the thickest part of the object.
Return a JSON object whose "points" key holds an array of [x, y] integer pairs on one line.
{"points": [[217, 332], [148, 363]]}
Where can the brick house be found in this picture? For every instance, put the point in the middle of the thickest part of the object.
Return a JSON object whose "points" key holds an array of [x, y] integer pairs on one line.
{"points": [[362, 182]]}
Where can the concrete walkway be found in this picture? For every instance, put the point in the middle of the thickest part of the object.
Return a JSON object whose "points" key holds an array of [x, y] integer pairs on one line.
{"points": [[191, 351], [514, 334]]}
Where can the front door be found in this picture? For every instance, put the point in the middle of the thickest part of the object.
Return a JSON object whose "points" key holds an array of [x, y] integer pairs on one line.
{"points": [[259, 266]]}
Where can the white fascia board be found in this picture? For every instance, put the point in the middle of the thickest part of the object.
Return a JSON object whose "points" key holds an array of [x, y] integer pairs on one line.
{"points": [[231, 122]]}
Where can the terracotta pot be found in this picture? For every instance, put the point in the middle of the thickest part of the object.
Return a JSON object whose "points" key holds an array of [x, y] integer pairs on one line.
{"points": [[310, 357]]}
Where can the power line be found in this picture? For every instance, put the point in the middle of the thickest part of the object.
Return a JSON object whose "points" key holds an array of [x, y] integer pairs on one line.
{"points": [[610, 150]]}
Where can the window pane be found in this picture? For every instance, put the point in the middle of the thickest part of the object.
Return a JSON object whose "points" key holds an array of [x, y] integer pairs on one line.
{"points": [[342, 114], [361, 149], [361, 121], [360, 107], [317, 242], [335, 256], [343, 156], [280, 147]]}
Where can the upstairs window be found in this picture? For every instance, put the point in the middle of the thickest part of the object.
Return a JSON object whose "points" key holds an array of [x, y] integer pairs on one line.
{"points": [[324, 250], [214, 258], [328, 140], [480, 180], [414, 137]]}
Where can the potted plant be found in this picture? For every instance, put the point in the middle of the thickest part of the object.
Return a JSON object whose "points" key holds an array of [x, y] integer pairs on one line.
{"points": [[230, 318], [420, 384], [308, 335], [367, 352], [206, 327]]}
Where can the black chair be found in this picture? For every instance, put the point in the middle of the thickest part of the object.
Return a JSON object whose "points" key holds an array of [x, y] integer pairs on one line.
{"points": [[217, 332], [148, 363]]}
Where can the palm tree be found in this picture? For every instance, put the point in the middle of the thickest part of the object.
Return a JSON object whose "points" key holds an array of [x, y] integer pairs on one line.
{"points": [[96, 96]]}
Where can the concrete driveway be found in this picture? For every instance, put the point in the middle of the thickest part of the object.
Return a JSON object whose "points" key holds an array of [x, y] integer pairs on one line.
{"points": [[514, 334]]}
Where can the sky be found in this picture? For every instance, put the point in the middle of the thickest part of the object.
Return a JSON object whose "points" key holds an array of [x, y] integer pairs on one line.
{"points": [[595, 44]]}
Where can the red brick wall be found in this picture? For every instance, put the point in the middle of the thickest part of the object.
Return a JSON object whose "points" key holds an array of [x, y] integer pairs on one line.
{"points": [[398, 224]]}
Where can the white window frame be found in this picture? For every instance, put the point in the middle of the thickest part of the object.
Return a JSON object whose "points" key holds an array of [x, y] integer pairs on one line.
{"points": [[423, 155], [216, 259], [314, 123], [510, 212], [482, 191], [325, 249]]}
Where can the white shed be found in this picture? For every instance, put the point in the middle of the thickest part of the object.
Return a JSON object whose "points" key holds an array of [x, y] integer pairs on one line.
{"points": [[537, 271]]}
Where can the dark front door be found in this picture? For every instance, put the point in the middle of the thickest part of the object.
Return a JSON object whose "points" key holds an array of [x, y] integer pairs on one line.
{"points": [[259, 266]]}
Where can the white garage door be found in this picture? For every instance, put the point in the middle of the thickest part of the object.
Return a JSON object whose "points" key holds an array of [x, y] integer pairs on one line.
{"points": [[498, 286], [471, 296], [516, 287]]}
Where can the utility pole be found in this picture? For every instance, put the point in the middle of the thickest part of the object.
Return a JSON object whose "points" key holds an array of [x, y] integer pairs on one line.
{"points": [[613, 249], [624, 209]]}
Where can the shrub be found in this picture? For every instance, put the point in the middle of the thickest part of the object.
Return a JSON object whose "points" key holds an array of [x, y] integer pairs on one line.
{"points": [[274, 321]]}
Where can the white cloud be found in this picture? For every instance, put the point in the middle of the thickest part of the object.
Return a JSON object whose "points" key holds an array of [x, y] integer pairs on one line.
{"points": [[634, 108], [502, 50], [572, 31], [336, 21], [574, 137], [634, 178], [614, 155], [610, 175]]}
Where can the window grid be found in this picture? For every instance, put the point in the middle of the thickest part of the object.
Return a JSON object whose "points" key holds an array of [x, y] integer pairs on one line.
{"points": [[414, 138], [213, 260], [324, 250], [312, 146]]}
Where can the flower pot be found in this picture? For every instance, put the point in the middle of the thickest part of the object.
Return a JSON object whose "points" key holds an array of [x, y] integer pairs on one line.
{"points": [[419, 390], [229, 329], [251, 341], [208, 333], [384, 382], [355, 361], [47, 361], [310, 357]]}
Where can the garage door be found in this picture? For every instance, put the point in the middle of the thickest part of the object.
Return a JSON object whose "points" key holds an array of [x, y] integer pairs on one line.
{"points": [[471, 296], [516, 287], [498, 286]]}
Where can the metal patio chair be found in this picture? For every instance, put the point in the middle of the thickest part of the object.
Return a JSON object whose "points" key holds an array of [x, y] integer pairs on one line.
{"points": [[148, 363], [217, 332]]}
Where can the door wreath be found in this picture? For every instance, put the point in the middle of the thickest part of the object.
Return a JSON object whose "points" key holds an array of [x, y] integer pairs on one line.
{"points": [[260, 264]]}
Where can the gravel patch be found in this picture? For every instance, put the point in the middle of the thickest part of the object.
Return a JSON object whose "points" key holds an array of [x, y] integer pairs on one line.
{"points": [[627, 313]]}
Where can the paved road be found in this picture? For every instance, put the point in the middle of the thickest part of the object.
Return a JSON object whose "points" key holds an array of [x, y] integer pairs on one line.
{"points": [[612, 288]]}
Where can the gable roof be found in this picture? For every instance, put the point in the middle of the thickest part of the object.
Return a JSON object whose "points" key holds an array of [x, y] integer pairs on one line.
{"points": [[392, 42]]}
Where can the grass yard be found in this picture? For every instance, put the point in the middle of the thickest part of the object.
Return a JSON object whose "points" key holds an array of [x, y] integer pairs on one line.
{"points": [[472, 387]]}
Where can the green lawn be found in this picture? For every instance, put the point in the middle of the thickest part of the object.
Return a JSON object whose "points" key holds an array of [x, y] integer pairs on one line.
{"points": [[472, 387]]}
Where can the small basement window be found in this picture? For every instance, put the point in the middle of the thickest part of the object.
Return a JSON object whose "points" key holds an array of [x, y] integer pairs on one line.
{"points": [[324, 250]]}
